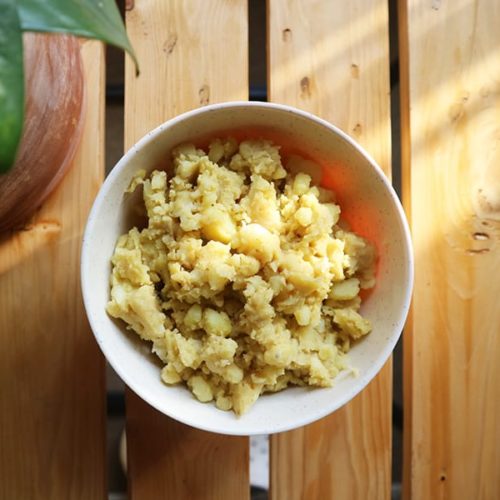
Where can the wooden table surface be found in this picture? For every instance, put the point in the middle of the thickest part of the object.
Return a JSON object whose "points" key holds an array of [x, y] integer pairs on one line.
{"points": [[330, 57]]}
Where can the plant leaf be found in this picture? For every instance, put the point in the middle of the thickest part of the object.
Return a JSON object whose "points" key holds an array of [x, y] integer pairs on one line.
{"points": [[98, 19], [11, 83]]}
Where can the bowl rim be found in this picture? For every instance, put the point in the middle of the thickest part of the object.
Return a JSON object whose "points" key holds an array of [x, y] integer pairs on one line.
{"points": [[318, 413]]}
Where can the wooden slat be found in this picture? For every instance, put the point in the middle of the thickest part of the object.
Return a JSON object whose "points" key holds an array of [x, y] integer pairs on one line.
{"points": [[332, 58], [52, 387], [451, 99], [191, 54]]}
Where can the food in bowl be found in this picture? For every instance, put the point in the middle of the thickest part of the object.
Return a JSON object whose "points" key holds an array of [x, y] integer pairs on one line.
{"points": [[245, 279]]}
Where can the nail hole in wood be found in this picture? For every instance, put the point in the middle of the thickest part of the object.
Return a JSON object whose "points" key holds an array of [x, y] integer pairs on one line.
{"points": [[305, 87], [204, 94], [481, 236], [358, 129], [286, 34]]}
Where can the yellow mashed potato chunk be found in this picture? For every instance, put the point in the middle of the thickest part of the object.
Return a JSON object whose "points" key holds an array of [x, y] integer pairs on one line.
{"points": [[242, 280]]}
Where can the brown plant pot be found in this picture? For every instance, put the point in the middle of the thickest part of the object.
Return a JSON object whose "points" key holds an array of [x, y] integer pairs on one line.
{"points": [[54, 90]]}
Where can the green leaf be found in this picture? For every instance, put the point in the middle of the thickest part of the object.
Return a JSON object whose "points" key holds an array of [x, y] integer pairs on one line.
{"points": [[11, 83], [98, 19]]}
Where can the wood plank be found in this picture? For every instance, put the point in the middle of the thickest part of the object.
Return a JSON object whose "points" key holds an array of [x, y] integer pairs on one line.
{"points": [[173, 460], [191, 54], [52, 404], [332, 58], [451, 96]]}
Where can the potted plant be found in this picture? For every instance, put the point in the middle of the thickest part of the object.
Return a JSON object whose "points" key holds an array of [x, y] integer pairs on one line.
{"points": [[42, 94]]}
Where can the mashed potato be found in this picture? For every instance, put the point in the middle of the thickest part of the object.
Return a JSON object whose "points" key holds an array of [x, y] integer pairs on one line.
{"points": [[243, 280]]}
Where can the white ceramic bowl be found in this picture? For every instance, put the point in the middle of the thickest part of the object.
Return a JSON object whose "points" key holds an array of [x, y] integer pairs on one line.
{"points": [[367, 201]]}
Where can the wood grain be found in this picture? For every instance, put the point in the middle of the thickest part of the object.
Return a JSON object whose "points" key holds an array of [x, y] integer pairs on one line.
{"points": [[174, 461], [452, 190], [52, 403], [191, 54], [332, 58]]}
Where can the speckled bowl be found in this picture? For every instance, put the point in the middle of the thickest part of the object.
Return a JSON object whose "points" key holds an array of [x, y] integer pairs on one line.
{"points": [[368, 202]]}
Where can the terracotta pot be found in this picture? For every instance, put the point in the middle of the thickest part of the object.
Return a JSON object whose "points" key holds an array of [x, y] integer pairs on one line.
{"points": [[52, 127]]}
